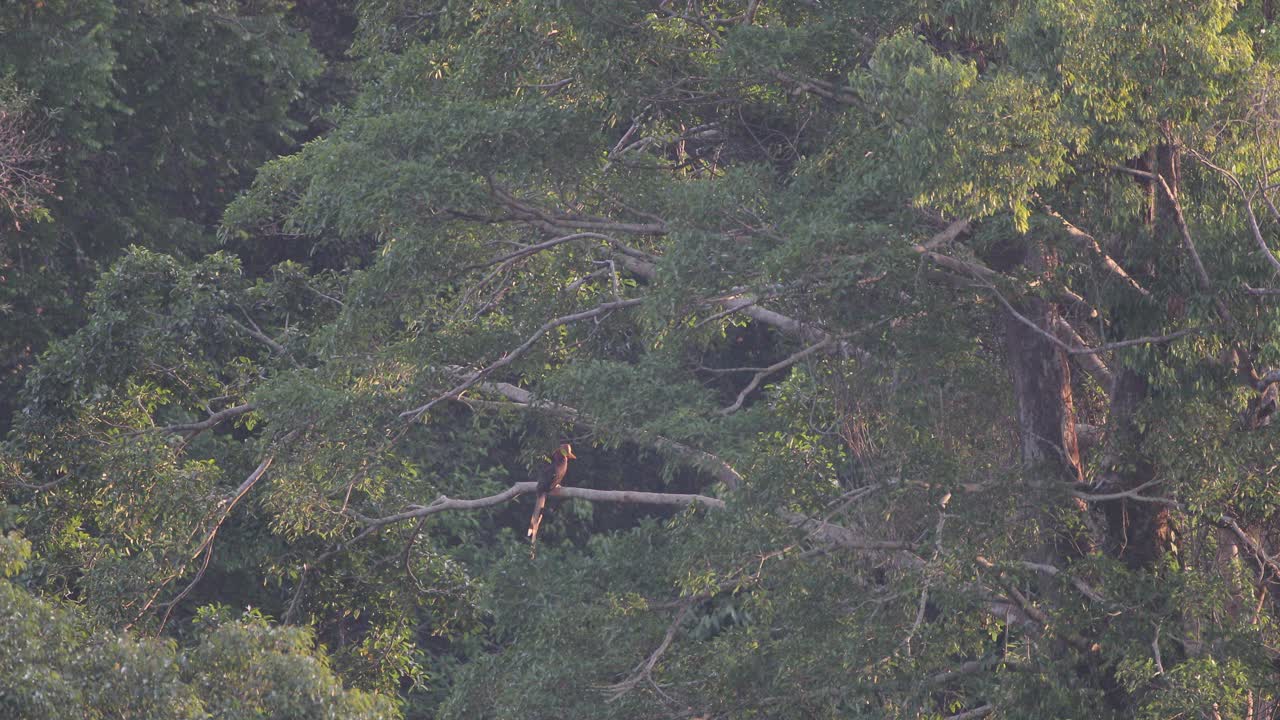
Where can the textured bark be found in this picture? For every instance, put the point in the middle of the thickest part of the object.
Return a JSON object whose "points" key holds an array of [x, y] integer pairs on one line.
{"points": [[1046, 413], [1042, 385]]}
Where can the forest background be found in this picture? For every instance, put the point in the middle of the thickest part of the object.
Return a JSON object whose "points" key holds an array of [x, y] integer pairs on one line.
{"points": [[919, 358]]}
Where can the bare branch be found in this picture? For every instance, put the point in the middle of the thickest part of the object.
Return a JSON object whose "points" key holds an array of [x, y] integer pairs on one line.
{"points": [[1259, 554], [644, 670], [1091, 363], [1084, 588], [1089, 243], [258, 335], [537, 248], [445, 503], [511, 357], [202, 425], [1145, 340], [949, 235], [766, 372], [206, 546], [1248, 206], [1130, 494]]}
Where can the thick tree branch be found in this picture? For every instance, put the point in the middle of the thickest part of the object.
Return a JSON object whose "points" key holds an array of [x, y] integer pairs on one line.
{"points": [[257, 334], [445, 503], [1090, 244], [1091, 363]]}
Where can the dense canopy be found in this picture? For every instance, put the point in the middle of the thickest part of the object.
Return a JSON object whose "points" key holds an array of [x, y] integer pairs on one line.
{"points": [[918, 359]]}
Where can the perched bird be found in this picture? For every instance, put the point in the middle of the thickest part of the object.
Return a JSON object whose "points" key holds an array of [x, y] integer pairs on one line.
{"points": [[549, 478]]}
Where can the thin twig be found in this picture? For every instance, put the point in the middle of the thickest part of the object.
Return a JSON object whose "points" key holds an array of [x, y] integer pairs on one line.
{"points": [[766, 372], [511, 357], [644, 670], [1144, 340], [1248, 206]]}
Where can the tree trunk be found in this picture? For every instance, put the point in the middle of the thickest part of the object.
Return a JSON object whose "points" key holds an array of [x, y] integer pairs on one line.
{"points": [[1046, 414], [1139, 533]]}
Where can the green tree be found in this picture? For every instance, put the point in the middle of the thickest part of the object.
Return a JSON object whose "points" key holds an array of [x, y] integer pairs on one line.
{"points": [[56, 665], [918, 357], [150, 116]]}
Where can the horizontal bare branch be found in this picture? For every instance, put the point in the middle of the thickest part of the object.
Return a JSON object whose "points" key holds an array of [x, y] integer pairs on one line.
{"points": [[445, 503], [1130, 494], [537, 248]]}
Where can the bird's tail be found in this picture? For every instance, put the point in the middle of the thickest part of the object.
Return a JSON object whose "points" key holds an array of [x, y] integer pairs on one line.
{"points": [[536, 521]]}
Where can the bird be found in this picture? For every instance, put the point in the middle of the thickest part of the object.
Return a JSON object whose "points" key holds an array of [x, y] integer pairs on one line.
{"points": [[549, 480]]}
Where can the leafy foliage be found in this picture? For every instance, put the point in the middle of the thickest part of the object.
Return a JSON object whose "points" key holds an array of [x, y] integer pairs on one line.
{"points": [[919, 356]]}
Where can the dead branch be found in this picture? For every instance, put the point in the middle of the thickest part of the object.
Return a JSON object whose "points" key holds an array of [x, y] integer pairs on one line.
{"points": [[511, 357], [445, 503], [1090, 244], [766, 372]]}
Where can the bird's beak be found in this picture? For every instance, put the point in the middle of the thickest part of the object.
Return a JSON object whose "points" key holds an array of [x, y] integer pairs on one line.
{"points": [[568, 452]]}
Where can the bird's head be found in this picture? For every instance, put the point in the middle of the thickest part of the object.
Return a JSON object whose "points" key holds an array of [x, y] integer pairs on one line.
{"points": [[566, 450]]}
